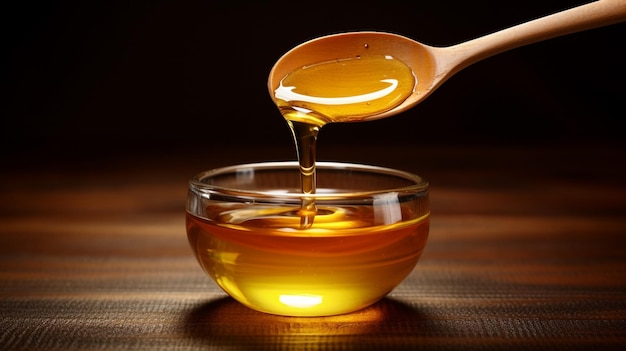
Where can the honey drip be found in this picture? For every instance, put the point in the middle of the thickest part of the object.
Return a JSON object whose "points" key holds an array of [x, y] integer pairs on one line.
{"points": [[343, 90]]}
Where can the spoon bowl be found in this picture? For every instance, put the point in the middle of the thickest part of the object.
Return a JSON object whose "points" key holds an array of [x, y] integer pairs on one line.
{"points": [[434, 65], [419, 57]]}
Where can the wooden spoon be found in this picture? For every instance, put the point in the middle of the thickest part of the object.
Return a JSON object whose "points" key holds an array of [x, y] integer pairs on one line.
{"points": [[434, 65]]}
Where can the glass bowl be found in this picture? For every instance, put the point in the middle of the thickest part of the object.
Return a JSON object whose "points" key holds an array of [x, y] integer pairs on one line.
{"points": [[246, 228]]}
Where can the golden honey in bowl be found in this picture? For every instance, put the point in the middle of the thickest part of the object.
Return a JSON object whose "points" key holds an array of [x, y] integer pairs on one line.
{"points": [[307, 238], [369, 232]]}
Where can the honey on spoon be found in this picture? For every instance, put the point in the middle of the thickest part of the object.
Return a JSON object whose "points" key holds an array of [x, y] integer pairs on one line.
{"points": [[347, 77], [362, 76]]}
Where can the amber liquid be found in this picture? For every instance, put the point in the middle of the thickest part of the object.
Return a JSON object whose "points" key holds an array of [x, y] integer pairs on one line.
{"points": [[339, 91], [347, 260], [315, 259], [344, 90]]}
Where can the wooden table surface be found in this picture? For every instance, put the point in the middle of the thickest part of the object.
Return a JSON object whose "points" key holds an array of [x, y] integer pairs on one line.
{"points": [[527, 251]]}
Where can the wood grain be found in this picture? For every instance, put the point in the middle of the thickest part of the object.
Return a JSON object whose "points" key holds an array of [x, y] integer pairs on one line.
{"points": [[522, 255]]}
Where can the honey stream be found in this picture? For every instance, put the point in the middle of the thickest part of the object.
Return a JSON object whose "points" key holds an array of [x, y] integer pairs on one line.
{"points": [[339, 91]]}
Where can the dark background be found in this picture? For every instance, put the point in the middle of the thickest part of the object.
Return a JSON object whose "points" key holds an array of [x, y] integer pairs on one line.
{"points": [[88, 80]]}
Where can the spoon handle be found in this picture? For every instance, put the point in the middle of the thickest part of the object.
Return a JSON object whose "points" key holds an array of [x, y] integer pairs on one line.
{"points": [[596, 14]]}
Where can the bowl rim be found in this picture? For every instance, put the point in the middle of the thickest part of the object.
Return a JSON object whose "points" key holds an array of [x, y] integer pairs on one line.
{"points": [[420, 185]]}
